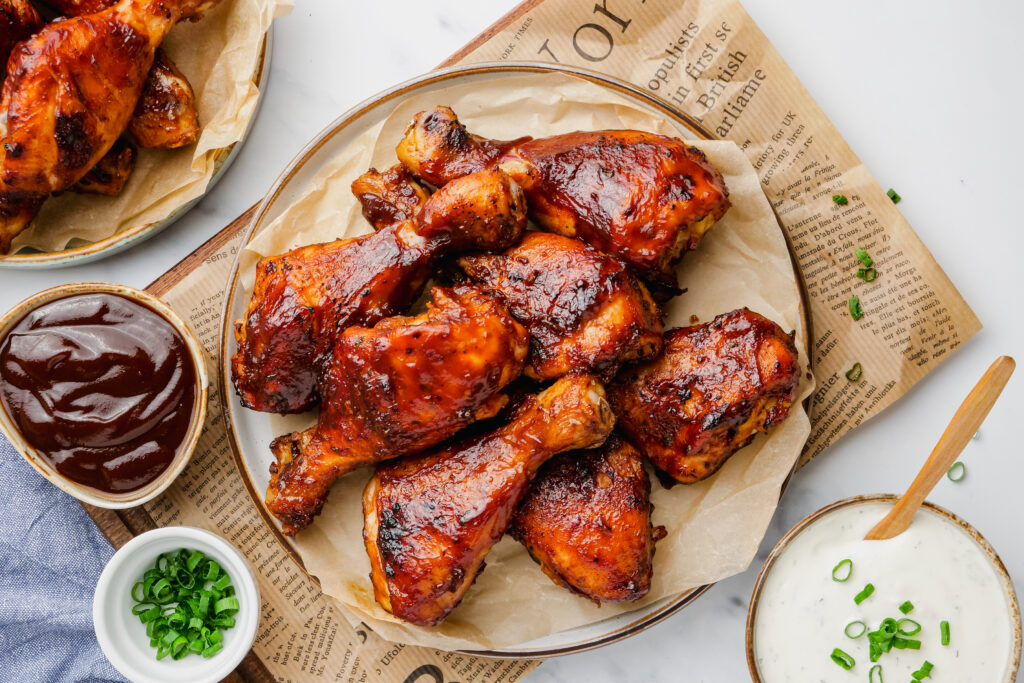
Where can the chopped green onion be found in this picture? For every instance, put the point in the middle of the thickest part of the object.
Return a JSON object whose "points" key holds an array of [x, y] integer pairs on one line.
{"points": [[893, 196], [842, 571], [867, 274], [877, 668], [184, 601], [924, 672], [856, 312], [840, 199], [842, 659], [914, 629], [854, 374], [906, 643], [956, 471], [907, 607], [855, 634], [864, 594], [863, 257], [944, 630]]}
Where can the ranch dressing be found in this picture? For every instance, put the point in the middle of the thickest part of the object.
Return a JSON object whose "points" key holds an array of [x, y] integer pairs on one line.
{"points": [[935, 564]]}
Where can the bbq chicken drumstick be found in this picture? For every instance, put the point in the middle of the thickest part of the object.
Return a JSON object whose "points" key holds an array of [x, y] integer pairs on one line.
{"points": [[166, 115], [587, 521], [404, 385], [641, 197], [586, 312], [430, 520], [304, 298], [712, 389], [69, 94]]}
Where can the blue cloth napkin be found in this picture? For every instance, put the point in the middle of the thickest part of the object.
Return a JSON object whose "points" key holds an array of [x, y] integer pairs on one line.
{"points": [[51, 555]]}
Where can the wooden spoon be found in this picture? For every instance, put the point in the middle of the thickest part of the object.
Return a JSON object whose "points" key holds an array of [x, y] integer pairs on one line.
{"points": [[962, 427]]}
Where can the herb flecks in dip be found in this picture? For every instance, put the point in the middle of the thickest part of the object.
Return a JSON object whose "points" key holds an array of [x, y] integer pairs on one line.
{"points": [[931, 573], [103, 387]]}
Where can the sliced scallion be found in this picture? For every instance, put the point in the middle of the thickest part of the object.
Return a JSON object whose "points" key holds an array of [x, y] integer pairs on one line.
{"points": [[843, 659], [856, 312], [907, 607], [944, 632], [842, 571], [184, 600], [864, 594], [956, 471], [855, 629]]}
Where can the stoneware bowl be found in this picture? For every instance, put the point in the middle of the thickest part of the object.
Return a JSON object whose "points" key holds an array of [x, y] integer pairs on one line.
{"points": [[122, 636], [84, 493], [997, 565]]}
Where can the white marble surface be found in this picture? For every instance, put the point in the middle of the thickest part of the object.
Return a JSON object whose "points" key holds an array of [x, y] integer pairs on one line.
{"points": [[920, 93]]}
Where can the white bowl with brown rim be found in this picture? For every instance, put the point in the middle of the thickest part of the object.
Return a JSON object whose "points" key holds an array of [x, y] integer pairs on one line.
{"points": [[41, 464], [995, 563]]}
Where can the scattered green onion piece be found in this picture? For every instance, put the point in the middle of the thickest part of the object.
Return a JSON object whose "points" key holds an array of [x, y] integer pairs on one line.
{"points": [[877, 668], [924, 672], [842, 571], [864, 594], [907, 607], [867, 274], [906, 643], [914, 629], [956, 471], [212, 650], [222, 583], [856, 312], [842, 659], [139, 593], [856, 634], [840, 199], [893, 196], [212, 571], [162, 652], [863, 257], [855, 373], [944, 630]]}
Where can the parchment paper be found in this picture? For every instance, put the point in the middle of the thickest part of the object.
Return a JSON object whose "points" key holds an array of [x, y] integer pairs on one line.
{"points": [[714, 527], [219, 55]]}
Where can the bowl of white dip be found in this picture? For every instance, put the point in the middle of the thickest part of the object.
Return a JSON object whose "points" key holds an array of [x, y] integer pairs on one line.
{"points": [[939, 581]]}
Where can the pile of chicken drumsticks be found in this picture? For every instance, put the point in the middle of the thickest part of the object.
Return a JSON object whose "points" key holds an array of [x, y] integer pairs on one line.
{"points": [[80, 92], [493, 411]]}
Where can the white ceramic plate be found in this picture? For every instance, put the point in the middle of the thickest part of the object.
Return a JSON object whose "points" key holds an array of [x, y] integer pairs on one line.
{"points": [[250, 432], [129, 237]]}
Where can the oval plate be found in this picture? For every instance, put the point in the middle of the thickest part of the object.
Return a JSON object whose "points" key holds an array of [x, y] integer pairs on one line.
{"points": [[249, 432], [129, 237]]}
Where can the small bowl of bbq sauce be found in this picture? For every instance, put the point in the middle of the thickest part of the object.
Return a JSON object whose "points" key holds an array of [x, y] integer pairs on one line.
{"points": [[103, 389]]}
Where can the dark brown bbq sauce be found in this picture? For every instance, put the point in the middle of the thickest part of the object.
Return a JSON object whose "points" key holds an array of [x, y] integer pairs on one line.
{"points": [[103, 387]]}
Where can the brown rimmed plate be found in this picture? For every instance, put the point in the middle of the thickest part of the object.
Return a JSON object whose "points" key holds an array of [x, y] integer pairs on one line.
{"points": [[250, 432], [784, 542], [93, 251]]}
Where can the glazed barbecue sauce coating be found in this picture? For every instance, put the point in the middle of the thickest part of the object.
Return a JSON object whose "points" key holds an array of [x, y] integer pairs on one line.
{"points": [[102, 386]]}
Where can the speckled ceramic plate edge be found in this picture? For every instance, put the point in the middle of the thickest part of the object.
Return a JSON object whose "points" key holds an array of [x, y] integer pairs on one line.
{"points": [[646, 616], [129, 237]]}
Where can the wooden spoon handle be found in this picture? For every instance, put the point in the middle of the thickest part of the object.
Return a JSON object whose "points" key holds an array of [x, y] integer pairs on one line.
{"points": [[962, 427]]}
